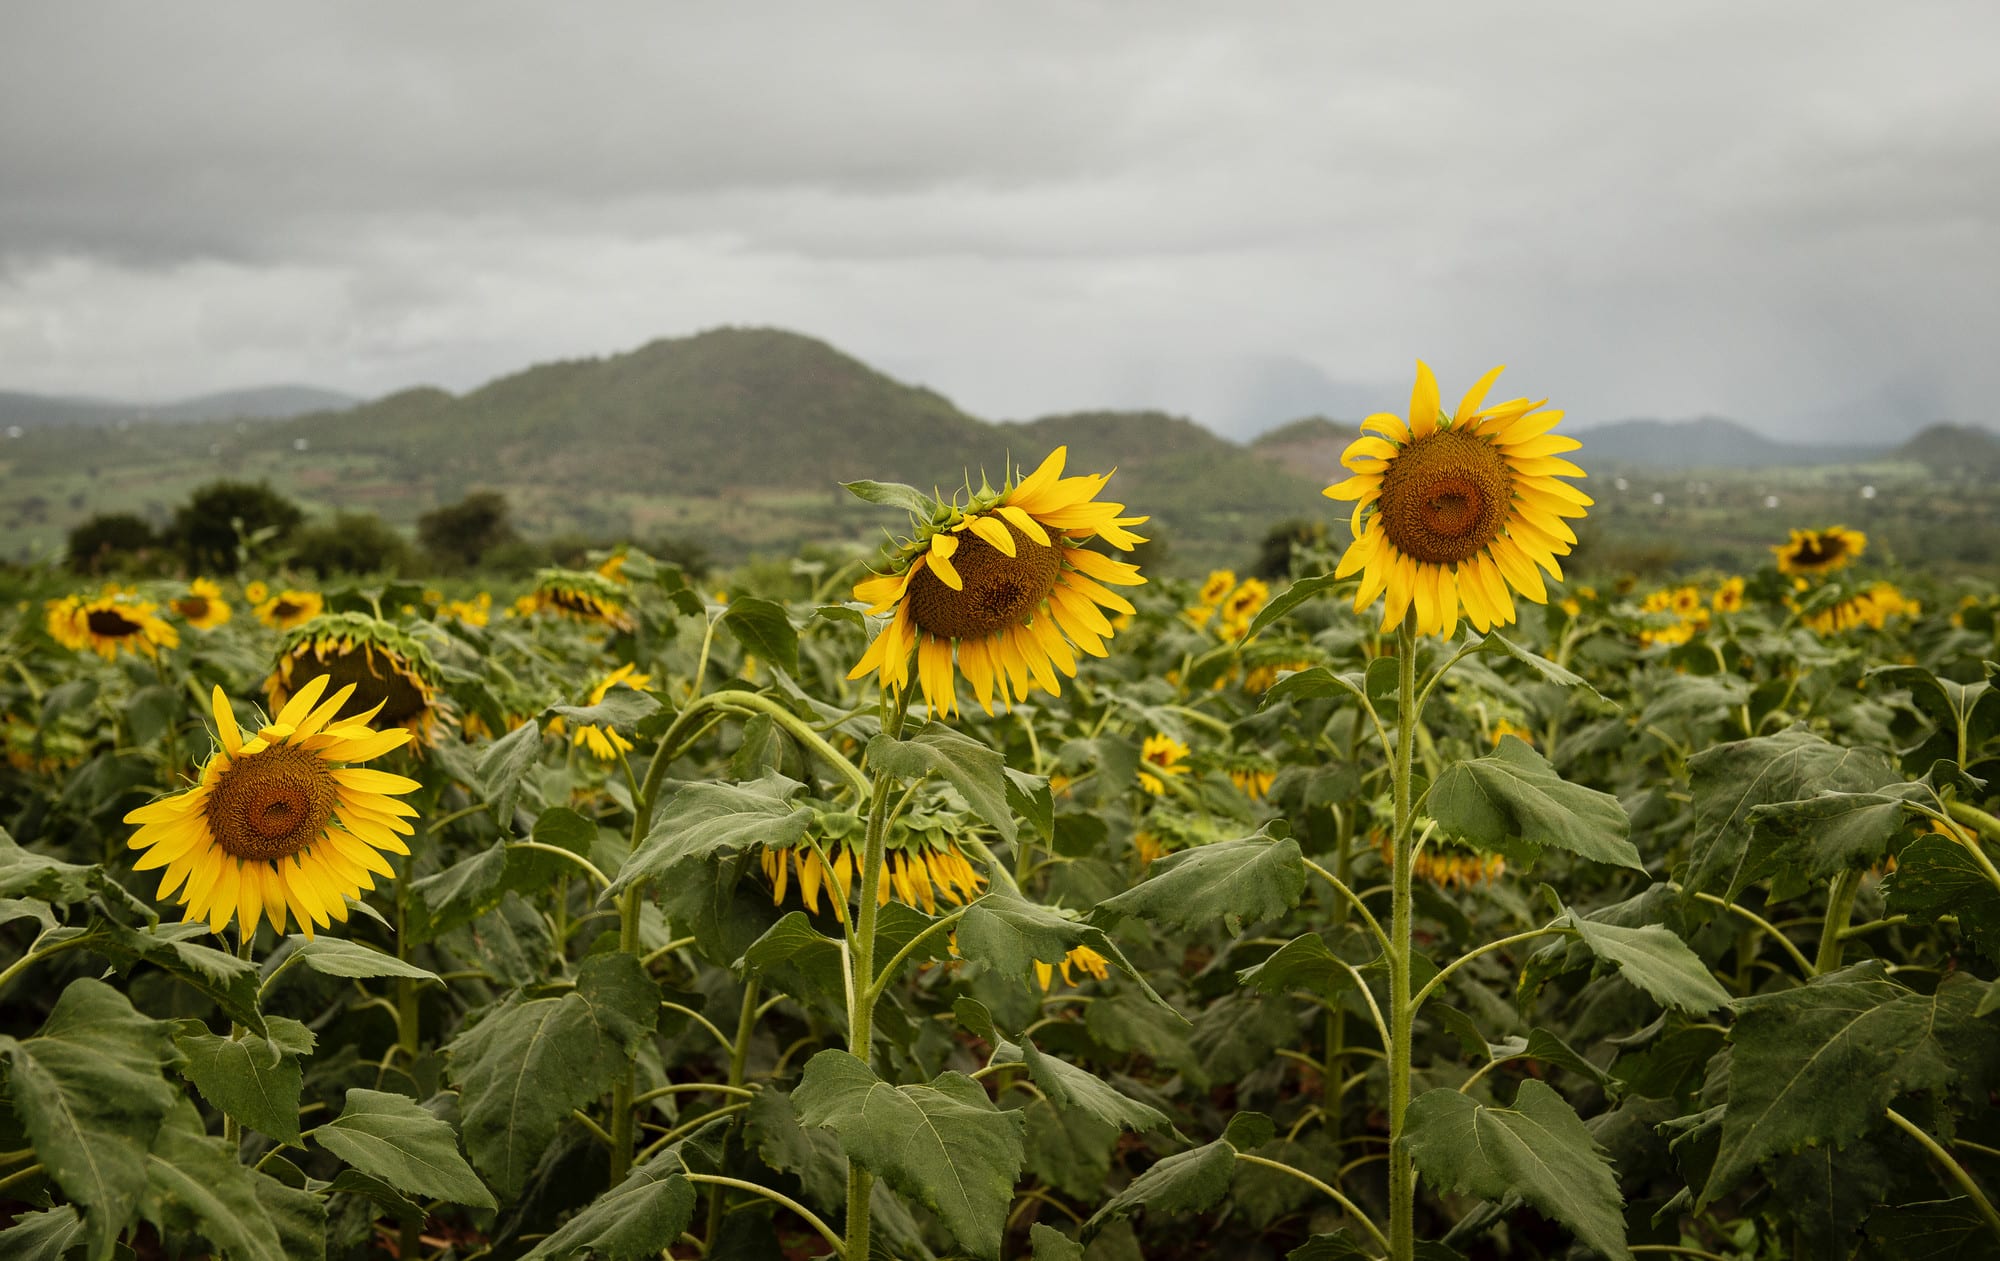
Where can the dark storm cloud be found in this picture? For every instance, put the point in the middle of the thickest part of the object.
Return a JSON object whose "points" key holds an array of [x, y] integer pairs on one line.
{"points": [[1785, 212]]}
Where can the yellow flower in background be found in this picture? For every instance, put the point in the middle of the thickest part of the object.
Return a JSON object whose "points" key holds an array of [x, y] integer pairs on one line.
{"points": [[1218, 584], [1729, 596], [1502, 728], [283, 821], [255, 592], [1149, 847], [289, 609], [1819, 551], [203, 606], [1003, 589], [1083, 958], [1453, 510], [477, 611], [604, 743], [1446, 870], [614, 569], [1161, 755], [113, 621], [1253, 782], [917, 875], [1244, 602], [1872, 608], [1685, 601], [392, 675], [580, 596]]}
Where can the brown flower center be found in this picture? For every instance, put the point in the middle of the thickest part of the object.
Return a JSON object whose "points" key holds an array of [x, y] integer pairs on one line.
{"points": [[1820, 549], [193, 607], [285, 611], [1000, 590], [1445, 497], [271, 804], [110, 624], [377, 679]]}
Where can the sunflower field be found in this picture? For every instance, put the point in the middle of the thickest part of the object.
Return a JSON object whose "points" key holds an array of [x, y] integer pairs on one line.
{"points": [[990, 897]]}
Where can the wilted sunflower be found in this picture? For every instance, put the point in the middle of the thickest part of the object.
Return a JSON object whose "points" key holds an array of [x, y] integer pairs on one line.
{"points": [[1160, 755], [1464, 506], [1819, 551], [289, 609], [392, 674], [1253, 781], [1872, 608], [203, 606], [1006, 582], [1083, 958], [1445, 870], [916, 873], [604, 743], [580, 596], [112, 621], [281, 821]]}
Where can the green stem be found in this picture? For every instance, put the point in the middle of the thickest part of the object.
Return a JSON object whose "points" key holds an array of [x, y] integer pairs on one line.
{"points": [[739, 1059], [19, 1175], [1951, 1166], [1402, 1171], [1770, 929], [34, 956], [1345, 1203], [805, 1214], [932, 929], [1444, 974], [626, 1086], [1839, 910], [409, 1028], [603, 881]]}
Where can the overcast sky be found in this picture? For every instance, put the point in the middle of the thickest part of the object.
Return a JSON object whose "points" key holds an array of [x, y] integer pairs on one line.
{"points": [[1783, 211]]}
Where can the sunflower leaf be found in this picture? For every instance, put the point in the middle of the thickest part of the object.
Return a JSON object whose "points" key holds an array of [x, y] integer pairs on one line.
{"points": [[1654, 959], [893, 495], [530, 1061], [765, 630], [1494, 643], [942, 1144], [390, 1137], [972, 767], [230, 982], [45, 1236], [1537, 1149], [503, 765], [1290, 598], [703, 823], [338, 956], [89, 1091], [1512, 802], [1187, 1182], [1935, 877], [621, 710], [256, 1080], [194, 1182], [1010, 935], [636, 1219], [1050, 1244], [1071, 1088], [1236, 882]]}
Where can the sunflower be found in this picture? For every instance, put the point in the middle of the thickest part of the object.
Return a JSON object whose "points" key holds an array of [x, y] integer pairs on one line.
{"points": [[604, 743], [1502, 729], [1464, 506], [1729, 596], [1218, 584], [1006, 582], [1872, 608], [281, 821], [203, 606], [1163, 755], [1244, 602], [477, 611], [1253, 781], [393, 676], [1819, 551], [289, 609], [580, 596], [916, 873], [254, 592], [1445, 870], [1083, 958], [1148, 846], [1685, 601], [116, 619]]}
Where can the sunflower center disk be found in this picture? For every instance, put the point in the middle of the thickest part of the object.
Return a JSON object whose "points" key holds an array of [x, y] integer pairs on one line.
{"points": [[1000, 590], [271, 804], [376, 680], [192, 607], [1445, 497], [110, 624]]}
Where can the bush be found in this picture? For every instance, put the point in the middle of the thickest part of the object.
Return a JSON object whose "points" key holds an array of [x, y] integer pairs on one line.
{"points": [[353, 543], [110, 540], [222, 521], [459, 534]]}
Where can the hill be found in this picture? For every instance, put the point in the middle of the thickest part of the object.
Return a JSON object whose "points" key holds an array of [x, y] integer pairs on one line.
{"points": [[265, 402], [1708, 442], [1955, 451]]}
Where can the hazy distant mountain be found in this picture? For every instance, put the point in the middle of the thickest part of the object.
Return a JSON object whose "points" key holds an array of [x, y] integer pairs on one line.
{"points": [[1708, 442], [1237, 396], [268, 402], [1955, 451]]}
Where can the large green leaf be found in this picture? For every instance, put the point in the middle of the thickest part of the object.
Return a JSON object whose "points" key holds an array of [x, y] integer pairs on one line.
{"points": [[943, 1145], [392, 1138], [1186, 1182], [1932, 1230], [763, 628], [89, 1090], [1067, 1086], [1936, 877], [703, 823], [1512, 802], [44, 1236], [256, 1080], [806, 963], [530, 1061], [972, 767], [1814, 838], [621, 710], [197, 1183], [1235, 882], [229, 982], [636, 1219], [1654, 959], [1731, 780], [1537, 1149], [1290, 598], [1820, 1063], [1010, 935], [338, 956], [1496, 644], [1951, 707], [504, 764], [1050, 1244]]}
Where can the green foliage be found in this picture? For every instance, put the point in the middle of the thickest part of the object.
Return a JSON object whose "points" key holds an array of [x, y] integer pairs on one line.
{"points": [[461, 534], [224, 521], [352, 543], [109, 541]]}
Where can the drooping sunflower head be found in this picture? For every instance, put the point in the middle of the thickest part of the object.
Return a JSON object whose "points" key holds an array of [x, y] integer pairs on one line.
{"points": [[1161, 755], [1253, 778], [289, 609], [1003, 581], [604, 743], [918, 871], [580, 596], [284, 821], [1456, 512], [203, 606], [392, 674], [1871, 608], [1819, 551], [113, 621], [1083, 959]]}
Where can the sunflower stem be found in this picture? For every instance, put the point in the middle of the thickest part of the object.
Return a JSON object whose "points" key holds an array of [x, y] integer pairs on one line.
{"points": [[739, 1059], [1402, 1171], [626, 1086], [1839, 910], [861, 962]]}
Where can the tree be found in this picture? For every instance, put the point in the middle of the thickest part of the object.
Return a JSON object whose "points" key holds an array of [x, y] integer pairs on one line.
{"points": [[353, 543], [108, 540], [460, 534], [1274, 555], [221, 521]]}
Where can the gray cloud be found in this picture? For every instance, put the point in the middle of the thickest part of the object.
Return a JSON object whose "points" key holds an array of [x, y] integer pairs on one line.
{"points": [[1784, 212]]}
